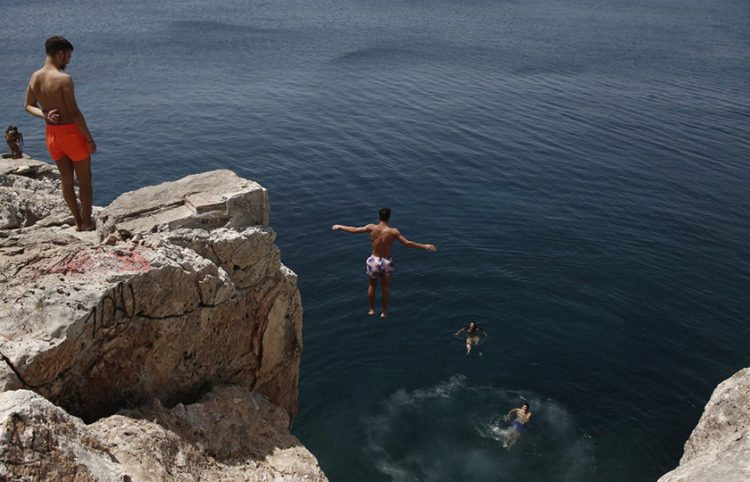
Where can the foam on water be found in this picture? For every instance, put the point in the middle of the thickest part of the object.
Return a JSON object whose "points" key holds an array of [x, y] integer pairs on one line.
{"points": [[455, 431]]}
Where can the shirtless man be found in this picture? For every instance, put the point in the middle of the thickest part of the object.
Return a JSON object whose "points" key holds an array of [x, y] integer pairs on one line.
{"points": [[50, 96], [472, 335], [380, 264], [522, 416]]}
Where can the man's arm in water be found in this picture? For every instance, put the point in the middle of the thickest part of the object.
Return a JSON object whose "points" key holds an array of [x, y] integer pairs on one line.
{"points": [[460, 330], [412, 244], [352, 229]]}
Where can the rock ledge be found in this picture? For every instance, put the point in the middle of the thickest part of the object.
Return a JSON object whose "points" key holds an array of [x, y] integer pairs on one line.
{"points": [[178, 300]]}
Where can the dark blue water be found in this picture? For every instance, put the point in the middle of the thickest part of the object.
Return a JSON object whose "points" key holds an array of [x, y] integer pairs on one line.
{"points": [[582, 166]]}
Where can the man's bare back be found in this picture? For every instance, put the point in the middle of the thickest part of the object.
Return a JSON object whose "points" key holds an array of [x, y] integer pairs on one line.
{"points": [[48, 87], [51, 96], [382, 237]]}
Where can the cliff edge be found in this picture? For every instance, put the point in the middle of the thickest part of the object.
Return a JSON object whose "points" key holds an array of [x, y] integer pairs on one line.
{"points": [[719, 447], [163, 346]]}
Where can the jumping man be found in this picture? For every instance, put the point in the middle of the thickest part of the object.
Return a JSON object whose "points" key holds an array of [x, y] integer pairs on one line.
{"points": [[50, 96], [380, 264]]}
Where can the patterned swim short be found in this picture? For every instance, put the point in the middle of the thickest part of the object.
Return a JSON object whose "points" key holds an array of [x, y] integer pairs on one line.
{"points": [[379, 267]]}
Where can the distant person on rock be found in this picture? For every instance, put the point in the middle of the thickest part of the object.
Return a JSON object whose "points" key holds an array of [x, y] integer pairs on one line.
{"points": [[14, 139], [50, 96], [522, 416], [472, 335], [380, 263]]}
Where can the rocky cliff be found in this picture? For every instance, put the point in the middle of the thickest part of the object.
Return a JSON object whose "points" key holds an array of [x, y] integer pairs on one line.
{"points": [[719, 447], [163, 346]]}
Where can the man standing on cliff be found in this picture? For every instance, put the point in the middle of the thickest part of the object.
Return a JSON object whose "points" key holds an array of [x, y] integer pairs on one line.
{"points": [[380, 263], [50, 96]]}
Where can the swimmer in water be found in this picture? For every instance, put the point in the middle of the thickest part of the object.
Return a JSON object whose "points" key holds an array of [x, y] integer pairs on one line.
{"points": [[472, 335], [522, 416]]}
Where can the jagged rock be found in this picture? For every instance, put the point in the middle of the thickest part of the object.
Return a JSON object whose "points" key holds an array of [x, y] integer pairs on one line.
{"points": [[30, 194], [181, 289], [209, 200], [230, 435], [94, 327], [719, 447]]}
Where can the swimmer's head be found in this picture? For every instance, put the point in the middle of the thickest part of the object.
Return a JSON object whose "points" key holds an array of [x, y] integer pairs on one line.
{"points": [[525, 407], [472, 324], [384, 214], [56, 44]]}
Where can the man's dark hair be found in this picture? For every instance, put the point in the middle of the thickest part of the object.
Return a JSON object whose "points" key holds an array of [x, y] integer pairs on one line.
{"points": [[384, 214], [56, 44]]}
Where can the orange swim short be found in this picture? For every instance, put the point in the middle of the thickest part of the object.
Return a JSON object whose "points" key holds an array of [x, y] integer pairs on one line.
{"points": [[66, 140]]}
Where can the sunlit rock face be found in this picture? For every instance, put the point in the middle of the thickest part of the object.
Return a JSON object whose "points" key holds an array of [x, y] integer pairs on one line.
{"points": [[180, 290], [230, 434], [719, 447]]}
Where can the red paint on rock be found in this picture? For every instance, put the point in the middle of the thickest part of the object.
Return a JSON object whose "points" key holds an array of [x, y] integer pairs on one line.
{"points": [[96, 260]]}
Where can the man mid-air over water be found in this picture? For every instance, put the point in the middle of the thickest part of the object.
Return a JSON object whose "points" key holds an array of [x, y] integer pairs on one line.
{"points": [[380, 263], [516, 426]]}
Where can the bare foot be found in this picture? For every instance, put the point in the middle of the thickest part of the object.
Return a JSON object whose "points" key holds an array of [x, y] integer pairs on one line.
{"points": [[84, 227], [371, 312], [90, 226], [383, 315]]}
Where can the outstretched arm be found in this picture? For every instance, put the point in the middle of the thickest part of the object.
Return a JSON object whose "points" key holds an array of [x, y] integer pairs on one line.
{"points": [[412, 244], [459, 331], [352, 229]]}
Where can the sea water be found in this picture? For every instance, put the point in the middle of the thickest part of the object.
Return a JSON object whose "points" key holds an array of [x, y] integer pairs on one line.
{"points": [[581, 165]]}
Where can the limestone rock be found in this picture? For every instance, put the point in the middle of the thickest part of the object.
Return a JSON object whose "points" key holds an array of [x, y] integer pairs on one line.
{"points": [[230, 435], [30, 194], [180, 290], [94, 327], [719, 447], [208, 200]]}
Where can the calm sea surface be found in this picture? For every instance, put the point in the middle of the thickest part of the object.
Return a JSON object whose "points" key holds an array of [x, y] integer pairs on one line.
{"points": [[582, 166]]}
